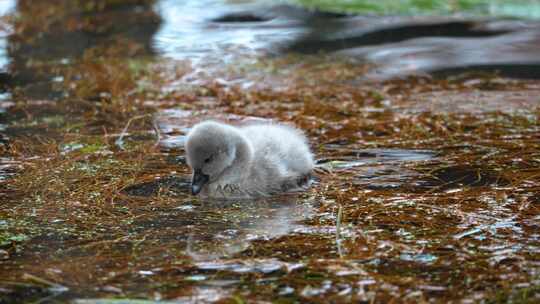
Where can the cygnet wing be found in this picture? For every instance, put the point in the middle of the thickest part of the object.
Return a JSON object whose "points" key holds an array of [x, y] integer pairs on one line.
{"points": [[280, 149]]}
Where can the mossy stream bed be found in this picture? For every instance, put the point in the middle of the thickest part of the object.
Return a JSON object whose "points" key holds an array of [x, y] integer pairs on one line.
{"points": [[427, 188]]}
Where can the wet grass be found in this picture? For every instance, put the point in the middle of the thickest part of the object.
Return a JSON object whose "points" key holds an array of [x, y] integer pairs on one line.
{"points": [[459, 224], [526, 8]]}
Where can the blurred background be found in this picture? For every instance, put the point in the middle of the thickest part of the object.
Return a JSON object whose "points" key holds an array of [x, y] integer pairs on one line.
{"points": [[401, 37]]}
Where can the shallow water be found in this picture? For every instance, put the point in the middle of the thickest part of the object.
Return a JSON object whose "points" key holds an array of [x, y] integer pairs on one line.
{"points": [[400, 46], [424, 188], [196, 35]]}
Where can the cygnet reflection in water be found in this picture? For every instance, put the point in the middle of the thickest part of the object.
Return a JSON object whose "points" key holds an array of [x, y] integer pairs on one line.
{"points": [[224, 228], [255, 160]]}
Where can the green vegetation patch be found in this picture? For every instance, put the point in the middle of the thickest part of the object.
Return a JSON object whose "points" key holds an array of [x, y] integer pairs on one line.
{"points": [[499, 8]]}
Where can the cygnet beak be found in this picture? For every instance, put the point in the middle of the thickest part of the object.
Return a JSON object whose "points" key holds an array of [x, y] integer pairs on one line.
{"points": [[199, 180]]}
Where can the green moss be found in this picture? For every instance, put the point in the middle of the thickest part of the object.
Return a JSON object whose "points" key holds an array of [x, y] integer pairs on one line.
{"points": [[8, 238]]}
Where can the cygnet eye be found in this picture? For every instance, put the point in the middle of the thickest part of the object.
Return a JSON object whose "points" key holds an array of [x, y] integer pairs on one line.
{"points": [[207, 160]]}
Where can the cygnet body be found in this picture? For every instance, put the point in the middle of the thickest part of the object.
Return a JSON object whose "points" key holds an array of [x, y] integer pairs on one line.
{"points": [[251, 161]]}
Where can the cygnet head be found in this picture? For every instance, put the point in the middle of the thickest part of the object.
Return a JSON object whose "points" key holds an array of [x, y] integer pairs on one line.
{"points": [[210, 149]]}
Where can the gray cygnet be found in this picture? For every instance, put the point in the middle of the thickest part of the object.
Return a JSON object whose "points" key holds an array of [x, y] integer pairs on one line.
{"points": [[250, 161]]}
